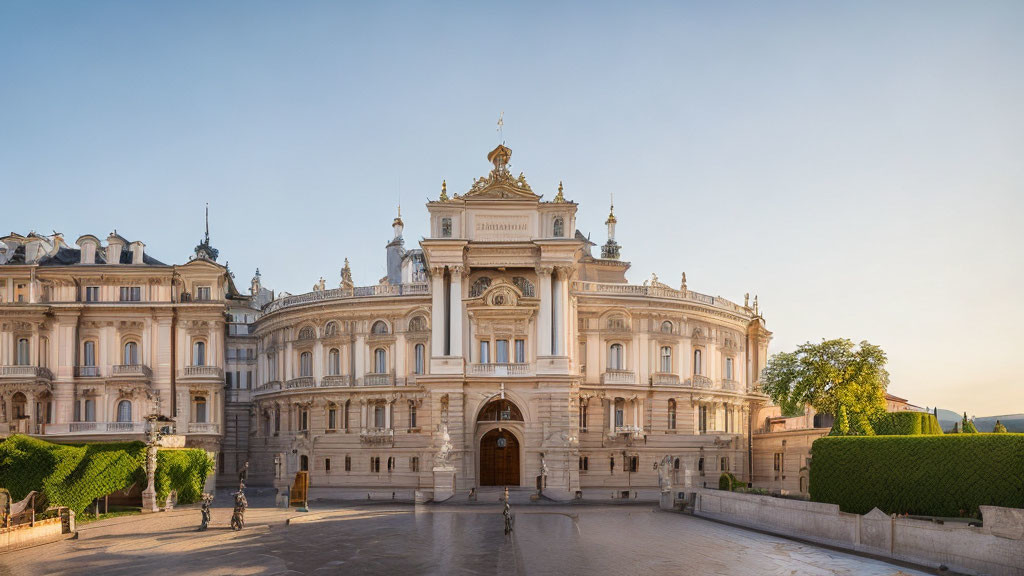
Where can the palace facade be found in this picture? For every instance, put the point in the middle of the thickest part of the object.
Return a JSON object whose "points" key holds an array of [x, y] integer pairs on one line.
{"points": [[506, 349], [504, 331]]}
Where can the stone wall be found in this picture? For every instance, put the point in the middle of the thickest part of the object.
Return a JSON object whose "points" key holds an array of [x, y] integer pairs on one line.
{"points": [[23, 536], [996, 548]]}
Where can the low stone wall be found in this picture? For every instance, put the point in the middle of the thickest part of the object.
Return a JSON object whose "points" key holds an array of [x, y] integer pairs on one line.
{"points": [[997, 548], [43, 531]]}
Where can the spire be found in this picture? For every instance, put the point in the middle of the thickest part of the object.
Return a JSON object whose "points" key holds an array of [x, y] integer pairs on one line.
{"points": [[444, 191], [559, 197], [397, 224], [610, 250], [204, 251]]}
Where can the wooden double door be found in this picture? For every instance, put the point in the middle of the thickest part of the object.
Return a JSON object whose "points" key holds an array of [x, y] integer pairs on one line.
{"points": [[499, 459]]}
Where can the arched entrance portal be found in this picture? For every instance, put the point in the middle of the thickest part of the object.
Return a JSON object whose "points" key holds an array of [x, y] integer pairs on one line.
{"points": [[499, 459]]}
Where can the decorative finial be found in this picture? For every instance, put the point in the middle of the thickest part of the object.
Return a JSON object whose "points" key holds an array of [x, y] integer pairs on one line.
{"points": [[756, 311], [444, 191], [682, 287], [746, 300], [611, 212], [207, 222], [559, 197]]}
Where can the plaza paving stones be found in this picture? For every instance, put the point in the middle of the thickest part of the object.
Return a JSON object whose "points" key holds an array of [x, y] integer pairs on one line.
{"points": [[400, 539]]}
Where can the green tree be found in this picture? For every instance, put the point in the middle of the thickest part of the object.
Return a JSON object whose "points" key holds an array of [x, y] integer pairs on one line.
{"points": [[841, 424], [829, 375], [999, 429], [860, 425], [968, 426]]}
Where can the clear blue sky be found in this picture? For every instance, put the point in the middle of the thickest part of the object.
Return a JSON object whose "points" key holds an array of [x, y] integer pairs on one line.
{"points": [[858, 165]]}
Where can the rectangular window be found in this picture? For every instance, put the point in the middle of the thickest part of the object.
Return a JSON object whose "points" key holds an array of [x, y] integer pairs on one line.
{"points": [[778, 461], [228, 380], [378, 416], [327, 464], [501, 351], [332, 419], [700, 466], [248, 380], [485, 352], [728, 369], [304, 420], [703, 419], [584, 463], [583, 417], [375, 464], [632, 464], [618, 417], [203, 293], [131, 293], [414, 464], [348, 463], [725, 463], [520, 351], [412, 416], [92, 293], [391, 464]]}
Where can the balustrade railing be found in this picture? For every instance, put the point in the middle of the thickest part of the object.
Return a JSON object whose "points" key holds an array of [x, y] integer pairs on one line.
{"points": [[730, 385], [203, 428], [501, 369], [664, 379], [26, 372], [379, 380], [416, 288], [613, 376], [658, 291], [335, 380], [267, 387], [700, 381], [202, 372], [87, 371], [303, 382], [140, 370]]}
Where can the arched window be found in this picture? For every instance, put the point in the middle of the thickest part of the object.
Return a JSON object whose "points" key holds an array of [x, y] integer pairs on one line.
{"points": [[131, 353], [331, 329], [559, 228], [124, 411], [615, 357], [479, 286], [23, 355], [199, 353], [500, 410], [379, 328], [334, 362], [419, 353], [380, 361], [306, 364], [307, 333], [698, 368], [89, 353], [200, 402], [666, 359], [446, 227], [666, 327], [728, 369], [418, 324], [671, 414]]}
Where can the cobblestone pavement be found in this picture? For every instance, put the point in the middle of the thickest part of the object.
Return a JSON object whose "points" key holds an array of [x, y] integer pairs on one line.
{"points": [[443, 540]]}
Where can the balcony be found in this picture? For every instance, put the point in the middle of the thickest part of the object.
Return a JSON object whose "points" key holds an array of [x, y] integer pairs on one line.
{"points": [[131, 371], [87, 371], [23, 372], [303, 382], [377, 435], [504, 369], [379, 380], [612, 376], [202, 373], [335, 381], [203, 428], [97, 428], [664, 379], [730, 385], [631, 431], [700, 381], [268, 387]]}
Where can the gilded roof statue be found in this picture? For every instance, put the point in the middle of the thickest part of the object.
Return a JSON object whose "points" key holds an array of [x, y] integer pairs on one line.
{"points": [[500, 183]]}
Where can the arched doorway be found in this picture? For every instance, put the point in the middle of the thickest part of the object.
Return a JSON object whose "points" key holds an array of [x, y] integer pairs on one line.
{"points": [[499, 459]]}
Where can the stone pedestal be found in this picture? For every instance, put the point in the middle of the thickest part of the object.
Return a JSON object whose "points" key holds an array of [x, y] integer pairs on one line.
{"points": [[444, 483], [149, 503], [667, 501]]}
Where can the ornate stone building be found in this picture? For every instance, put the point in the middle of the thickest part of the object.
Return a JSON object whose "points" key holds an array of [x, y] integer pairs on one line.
{"points": [[94, 338], [506, 334]]}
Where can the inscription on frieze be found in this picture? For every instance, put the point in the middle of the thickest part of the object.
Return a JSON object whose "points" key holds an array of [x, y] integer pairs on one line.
{"points": [[502, 228]]}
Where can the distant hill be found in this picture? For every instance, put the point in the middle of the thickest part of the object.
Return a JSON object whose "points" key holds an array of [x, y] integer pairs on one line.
{"points": [[1013, 422]]}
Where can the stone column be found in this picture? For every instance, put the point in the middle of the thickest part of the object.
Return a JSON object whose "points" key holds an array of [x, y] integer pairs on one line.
{"points": [[455, 320], [611, 416], [437, 312], [557, 316], [544, 317], [387, 415]]}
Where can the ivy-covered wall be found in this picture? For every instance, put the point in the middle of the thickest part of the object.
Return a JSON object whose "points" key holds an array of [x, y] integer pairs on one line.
{"points": [[73, 475]]}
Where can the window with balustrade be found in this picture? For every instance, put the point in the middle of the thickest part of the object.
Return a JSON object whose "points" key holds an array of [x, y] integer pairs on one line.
{"points": [[380, 361], [501, 351], [620, 412], [131, 353], [666, 359], [199, 353], [520, 351], [306, 364], [333, 362], [199, 407], [616, 357], [728, 369], [485, 352], [698, 365], [378, 416], [124, 411], [89, 353], [23, 357]]}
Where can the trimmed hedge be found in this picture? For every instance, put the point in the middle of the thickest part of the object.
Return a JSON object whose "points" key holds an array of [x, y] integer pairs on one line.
{"points": [[947, 476], [73, 475], [727, 481], [906, 424]]}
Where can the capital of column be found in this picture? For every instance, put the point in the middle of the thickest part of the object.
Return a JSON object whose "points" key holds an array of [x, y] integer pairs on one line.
{"points": [[458, 270], [544, 270]]}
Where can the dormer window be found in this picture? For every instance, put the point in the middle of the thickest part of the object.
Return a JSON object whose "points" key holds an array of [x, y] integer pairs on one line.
{"points": [[559, 228], [446, 227]]}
